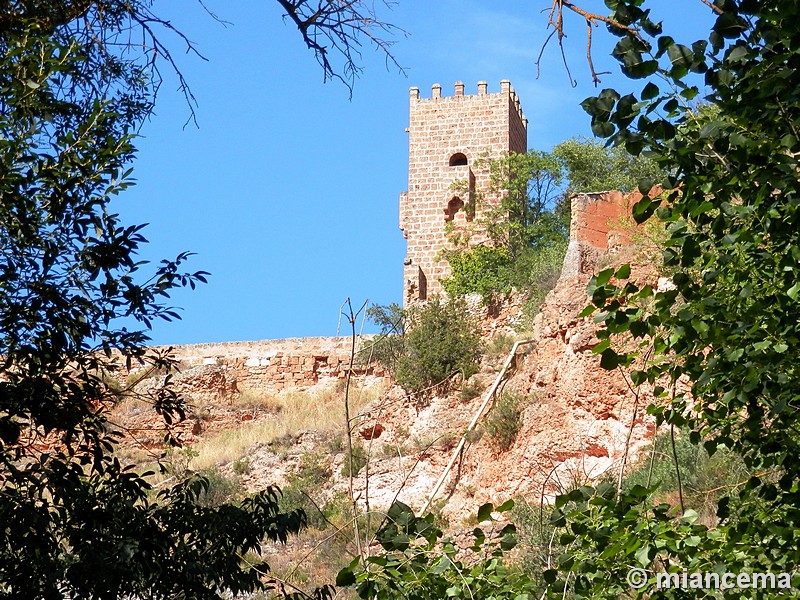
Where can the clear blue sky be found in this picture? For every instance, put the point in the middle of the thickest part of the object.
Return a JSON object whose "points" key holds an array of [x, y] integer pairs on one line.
{"points": [[288, 189]]}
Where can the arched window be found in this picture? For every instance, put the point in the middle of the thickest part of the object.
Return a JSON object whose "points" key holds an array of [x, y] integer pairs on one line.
{"points": [[455, 205], [458, 159]]}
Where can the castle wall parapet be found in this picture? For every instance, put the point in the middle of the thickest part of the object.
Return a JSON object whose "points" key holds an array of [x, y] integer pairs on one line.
{"points": [[276, 365], [600, 223]]}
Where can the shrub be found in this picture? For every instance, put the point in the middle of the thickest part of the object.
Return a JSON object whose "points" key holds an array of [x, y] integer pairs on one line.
{"points": [[471, 388], [505, 420], [493, 272], [704, 478], [425, 345], [481, 270], [241, 466], [389, 346], [500, 345], [221, 489], [441, 340], [313, 471]]}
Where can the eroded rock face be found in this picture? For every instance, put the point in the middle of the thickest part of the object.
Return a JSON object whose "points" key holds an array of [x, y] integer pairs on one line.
{"points": [[578, 423]]}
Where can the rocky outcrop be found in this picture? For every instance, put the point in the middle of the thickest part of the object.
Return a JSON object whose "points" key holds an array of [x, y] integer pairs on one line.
{"points": [[579, 421]]}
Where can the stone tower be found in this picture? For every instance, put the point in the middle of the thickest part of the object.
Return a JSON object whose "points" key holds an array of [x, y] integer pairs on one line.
{"points": [[446, 136]]}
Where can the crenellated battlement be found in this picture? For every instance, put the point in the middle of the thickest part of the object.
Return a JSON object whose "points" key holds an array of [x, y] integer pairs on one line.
{"points": [[506, 90]]}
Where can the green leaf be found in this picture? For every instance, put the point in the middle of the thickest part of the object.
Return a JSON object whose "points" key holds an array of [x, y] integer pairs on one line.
{"points": [[345, 578], [644, 209], [690, 516], [442, 565], [601, 346], [609, 360], [638, 377], [643, 555], [793, 291], [623, 272], [508, 542], [505, 506], [650, 91], [680, 55], [729, 25], [692, 541], [602, 129], [485, 512], [603, 277]]}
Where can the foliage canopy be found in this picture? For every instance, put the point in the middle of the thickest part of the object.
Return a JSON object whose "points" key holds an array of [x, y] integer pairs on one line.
{"points": [[528, 231], [418, 562], [729, 325], [75, 307]]}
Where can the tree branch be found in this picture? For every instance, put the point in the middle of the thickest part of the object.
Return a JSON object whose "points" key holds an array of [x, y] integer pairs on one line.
{"points": [[338, 28], [556, 21]]}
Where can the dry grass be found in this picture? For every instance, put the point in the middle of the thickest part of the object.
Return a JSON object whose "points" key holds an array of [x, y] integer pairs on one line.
{"points": [[257, 400], [294, 411], [132, 404]]}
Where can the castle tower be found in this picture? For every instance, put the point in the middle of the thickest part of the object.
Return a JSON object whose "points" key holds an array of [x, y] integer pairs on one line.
{"points": [[446, 138]]}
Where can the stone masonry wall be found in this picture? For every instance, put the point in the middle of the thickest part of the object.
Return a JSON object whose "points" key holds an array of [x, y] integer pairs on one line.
{"points": [[600, 223], [275, 365], [447, 135], [296, 363]]}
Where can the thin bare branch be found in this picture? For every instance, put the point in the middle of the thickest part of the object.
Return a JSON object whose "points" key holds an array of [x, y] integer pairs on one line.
{"points": [[339, 28], [556, 20], [712, 6]]}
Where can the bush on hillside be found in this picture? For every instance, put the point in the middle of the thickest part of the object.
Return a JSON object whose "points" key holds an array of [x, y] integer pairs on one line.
{"points": [[425, 345], [505, 420]]}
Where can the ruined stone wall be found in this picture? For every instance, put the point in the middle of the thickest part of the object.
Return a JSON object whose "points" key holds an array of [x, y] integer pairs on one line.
{"points": [[447, 135], [600, 223], [275, 365]]}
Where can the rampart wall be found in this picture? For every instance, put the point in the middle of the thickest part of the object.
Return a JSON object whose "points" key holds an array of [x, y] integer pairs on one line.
{"points": [[276, 365]]}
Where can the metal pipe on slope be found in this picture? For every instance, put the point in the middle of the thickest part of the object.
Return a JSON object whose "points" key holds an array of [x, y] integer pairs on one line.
{"points": [[474, 422]]}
